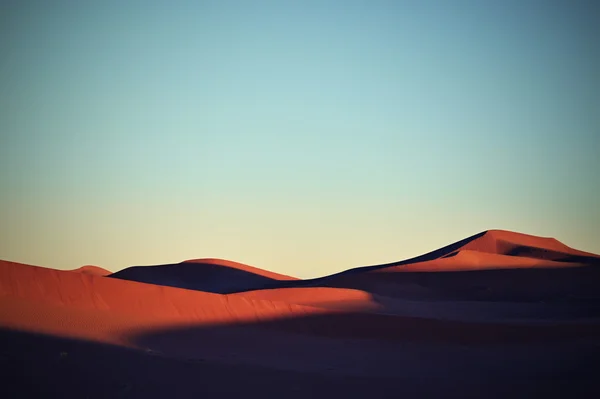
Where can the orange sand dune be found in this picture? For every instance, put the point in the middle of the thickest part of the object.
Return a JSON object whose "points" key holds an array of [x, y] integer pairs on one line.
{"points": [[496, 249], [96, 293], [518, 244], [495, 307], [93, 270], [90, 307], [491, 249], [114, 311]]}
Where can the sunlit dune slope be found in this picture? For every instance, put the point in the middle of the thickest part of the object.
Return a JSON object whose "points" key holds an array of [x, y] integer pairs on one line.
{"points": [[88, 306], [210, 275]]}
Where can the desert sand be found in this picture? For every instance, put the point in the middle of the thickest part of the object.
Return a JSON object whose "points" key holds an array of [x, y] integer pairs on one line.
{"points": [[499, 314]]}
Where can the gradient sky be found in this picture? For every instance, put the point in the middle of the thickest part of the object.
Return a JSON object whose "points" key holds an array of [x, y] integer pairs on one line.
{"points": [[303, 137]]}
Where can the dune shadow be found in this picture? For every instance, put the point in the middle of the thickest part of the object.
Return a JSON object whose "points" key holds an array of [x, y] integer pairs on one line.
{"points": [[219, 279], [557, 285], [370, 327], [429, 358], [44, 366], [546, 254], [347, 354]]}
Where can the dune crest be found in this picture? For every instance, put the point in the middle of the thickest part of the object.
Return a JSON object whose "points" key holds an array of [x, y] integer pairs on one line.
{"points": [[505, 242], [491, 249], [488, 250], [496, 249], [240, 266], [210, 275]]}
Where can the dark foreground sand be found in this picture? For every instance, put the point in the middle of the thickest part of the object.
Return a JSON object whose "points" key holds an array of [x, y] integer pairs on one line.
{"points": [[496, 315]]}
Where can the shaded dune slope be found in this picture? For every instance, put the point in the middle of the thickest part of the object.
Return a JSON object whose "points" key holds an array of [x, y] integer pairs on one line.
{"points": [[210, 275]]}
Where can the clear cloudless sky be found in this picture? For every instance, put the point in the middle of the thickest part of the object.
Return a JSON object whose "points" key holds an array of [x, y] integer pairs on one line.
{"points": [[303, 137]]}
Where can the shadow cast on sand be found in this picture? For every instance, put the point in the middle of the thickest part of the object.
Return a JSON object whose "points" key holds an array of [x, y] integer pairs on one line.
{"points": [[43, 366], [335, 355], [556, 285]]}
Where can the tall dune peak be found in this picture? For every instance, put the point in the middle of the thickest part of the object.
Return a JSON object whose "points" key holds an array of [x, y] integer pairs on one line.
{"points": [[506, 242]]}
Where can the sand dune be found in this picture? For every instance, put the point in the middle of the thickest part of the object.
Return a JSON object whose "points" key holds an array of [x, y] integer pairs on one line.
{"points": [[495, 307], [93, 270], [211, 275], [491, 249]]}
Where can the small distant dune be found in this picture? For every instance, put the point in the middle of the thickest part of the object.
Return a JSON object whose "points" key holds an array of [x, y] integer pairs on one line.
{"points": [[241, 266], [210, 275], [93, 270]]}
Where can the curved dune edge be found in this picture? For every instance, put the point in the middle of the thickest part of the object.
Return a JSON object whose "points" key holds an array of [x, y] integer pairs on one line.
{"points": [[243, 267], [209, 275]]}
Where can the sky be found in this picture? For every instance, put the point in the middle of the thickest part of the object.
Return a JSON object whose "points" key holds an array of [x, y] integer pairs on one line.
{"points": [[302, 137]]}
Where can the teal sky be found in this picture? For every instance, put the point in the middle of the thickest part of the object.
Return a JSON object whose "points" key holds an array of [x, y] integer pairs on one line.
{"points": [[304, 137]]}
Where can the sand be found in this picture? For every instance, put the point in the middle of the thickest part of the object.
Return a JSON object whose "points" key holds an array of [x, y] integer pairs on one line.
{"points": [[497, 314]]}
